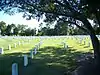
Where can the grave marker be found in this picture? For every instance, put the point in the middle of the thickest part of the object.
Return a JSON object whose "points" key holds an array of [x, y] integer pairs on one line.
{"points": [[19, 43], [15, 45], [9, 47], [35, 51], [14, 69], [88, 44], [22, 42], [25, 60], [64, 45], [1, 51], [31, 54], [84, 42]]}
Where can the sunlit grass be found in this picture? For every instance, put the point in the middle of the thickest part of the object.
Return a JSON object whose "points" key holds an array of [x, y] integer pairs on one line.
{"points": [[51, 59]]}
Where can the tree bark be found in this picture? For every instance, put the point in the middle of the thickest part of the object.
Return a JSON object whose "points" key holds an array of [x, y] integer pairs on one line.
{"points": [[95, 42], [96, 47]]}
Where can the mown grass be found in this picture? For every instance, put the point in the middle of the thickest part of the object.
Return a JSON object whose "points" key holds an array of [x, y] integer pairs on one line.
{"points": [[51, 59]]}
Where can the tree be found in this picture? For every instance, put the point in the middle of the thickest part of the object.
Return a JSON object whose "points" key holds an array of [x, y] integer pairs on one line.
{"points": [[9, 29], [15, 31], [44, 30], [27, 32], [97, 29], [2, 27], [61, 28], [72, 11], [71, 30], [21, 29], [33, 31]]}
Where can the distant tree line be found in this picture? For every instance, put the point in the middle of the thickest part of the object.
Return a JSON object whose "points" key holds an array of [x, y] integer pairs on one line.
{"points": [[60, 28], [64, 28], [12, 29]]}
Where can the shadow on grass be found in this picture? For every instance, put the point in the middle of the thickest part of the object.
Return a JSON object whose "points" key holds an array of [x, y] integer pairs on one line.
{"points": [[48, 61], [86, 47], [81, 44]]}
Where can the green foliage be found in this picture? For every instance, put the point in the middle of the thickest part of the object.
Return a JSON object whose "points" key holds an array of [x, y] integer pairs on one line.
{"points": [[2, 27], [61, 28], [12, 29], [9, 29], [16, 31], [55, 10]]}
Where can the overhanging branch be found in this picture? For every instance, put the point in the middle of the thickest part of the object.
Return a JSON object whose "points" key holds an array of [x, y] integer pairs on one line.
{"points": [[85, 30], [98, 18], [68, 14]]}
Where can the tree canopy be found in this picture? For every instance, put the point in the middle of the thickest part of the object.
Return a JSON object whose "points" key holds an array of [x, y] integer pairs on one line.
{"points": [[72, 11], [12, 29]]}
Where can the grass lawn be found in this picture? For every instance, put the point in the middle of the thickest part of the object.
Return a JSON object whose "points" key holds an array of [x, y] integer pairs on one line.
{"points": [[51, 59]]}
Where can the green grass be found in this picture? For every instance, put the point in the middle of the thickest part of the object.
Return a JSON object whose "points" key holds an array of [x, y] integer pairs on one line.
{"points": [[51, 59]]}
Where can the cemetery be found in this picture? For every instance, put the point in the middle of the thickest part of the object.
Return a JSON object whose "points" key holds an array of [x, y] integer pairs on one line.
{"points": [[49, 37], [43, 55]]}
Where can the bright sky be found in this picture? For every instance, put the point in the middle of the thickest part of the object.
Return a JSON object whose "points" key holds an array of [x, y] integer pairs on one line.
{"points": [[18, 19]]}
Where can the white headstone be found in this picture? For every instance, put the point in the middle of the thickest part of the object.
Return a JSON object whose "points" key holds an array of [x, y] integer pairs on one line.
{"points": [[88, 44], [28, 40], [9, 47], [25, 60], [39, 45], [84, 42], [22, 42], [31, 54], [81, 41], [15, 69], [35, 51], [1, 51], [19, 43], [64, 45], [14, 45]]}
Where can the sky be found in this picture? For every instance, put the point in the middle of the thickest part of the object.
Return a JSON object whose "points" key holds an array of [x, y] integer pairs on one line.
{"points": [[18, 19]]}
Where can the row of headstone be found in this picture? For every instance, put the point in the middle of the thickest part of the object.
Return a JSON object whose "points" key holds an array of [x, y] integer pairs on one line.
{"points": [[15, 65], [15, 45], [9, 47], [47, 37], [34, 51], [82, 40]]}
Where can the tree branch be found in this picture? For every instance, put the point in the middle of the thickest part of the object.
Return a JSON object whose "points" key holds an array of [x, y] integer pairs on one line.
{"points": [[85, 30], [98, 18], [68, 14]]}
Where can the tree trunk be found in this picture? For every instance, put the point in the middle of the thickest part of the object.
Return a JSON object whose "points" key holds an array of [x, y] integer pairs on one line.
{"points": [[96, 47], [94, 39], [95, 42]]}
